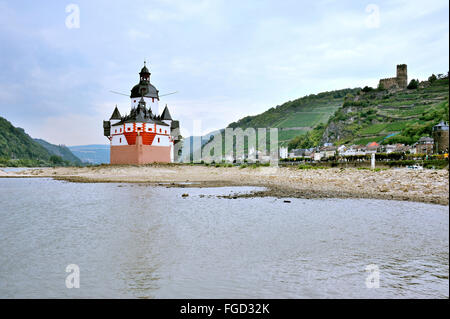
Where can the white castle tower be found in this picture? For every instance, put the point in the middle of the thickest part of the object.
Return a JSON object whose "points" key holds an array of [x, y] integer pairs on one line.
{"points": [[146, 90]]}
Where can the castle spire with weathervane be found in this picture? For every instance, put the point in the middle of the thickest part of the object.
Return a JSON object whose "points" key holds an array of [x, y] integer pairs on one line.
{"points": [[144, 89]]}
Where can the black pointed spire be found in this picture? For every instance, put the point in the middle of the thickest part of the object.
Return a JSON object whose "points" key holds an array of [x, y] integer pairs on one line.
{"points": [[166, 114], [116, 115], [141, 110]]}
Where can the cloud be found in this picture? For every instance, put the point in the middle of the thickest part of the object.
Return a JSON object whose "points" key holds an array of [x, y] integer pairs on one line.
{"points": [[70, 129], [226, 59]]}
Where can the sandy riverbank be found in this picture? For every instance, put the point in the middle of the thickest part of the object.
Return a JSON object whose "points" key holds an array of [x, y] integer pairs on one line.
{"points": [[429, 186]]}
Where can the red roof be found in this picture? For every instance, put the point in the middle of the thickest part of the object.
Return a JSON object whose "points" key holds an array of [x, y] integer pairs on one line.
{"points": [[373, 144]]}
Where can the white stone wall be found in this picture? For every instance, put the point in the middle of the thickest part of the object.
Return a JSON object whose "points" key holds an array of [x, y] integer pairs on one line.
{"points": [[162, 140], [162, 137], [118, 140]]}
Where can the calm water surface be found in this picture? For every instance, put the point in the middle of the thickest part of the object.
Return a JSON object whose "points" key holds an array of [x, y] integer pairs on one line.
{"points": [[138, 241]]}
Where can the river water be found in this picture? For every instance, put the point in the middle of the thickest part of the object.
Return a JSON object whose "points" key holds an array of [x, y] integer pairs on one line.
{"points": [[140, 241]]}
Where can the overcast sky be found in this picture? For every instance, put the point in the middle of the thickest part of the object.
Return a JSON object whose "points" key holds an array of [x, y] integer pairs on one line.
{"points": [[227, 59]]}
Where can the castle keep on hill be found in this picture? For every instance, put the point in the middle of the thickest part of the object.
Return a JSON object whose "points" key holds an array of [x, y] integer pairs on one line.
{"points": [[399, 82], [143, 136]]}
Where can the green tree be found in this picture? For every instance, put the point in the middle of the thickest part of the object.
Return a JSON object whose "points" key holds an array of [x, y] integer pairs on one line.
{"points": [[414, 84], [56, 160], [367, 89]]}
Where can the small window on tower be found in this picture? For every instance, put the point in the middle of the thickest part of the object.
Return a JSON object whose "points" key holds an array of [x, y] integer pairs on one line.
{"points": [[120, 140], [158, 139], [165, 131]]}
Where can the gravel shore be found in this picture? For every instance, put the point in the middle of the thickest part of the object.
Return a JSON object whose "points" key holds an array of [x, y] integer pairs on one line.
{"points": [[428, 186]]}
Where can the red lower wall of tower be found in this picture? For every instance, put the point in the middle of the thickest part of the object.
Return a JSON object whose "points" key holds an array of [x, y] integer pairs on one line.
{"points": [[139, 154]]}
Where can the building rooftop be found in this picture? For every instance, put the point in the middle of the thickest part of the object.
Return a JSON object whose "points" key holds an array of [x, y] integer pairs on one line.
{"points": [[166, 114], [116, 115], [425, 140], [144, 87], [442, 126], [142, 115]]}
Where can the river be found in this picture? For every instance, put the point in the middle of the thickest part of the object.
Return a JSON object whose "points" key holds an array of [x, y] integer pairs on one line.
{"points": [[142, 241]]}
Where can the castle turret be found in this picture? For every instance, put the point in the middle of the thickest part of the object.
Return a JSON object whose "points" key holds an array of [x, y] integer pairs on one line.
{"points": [[115, 117], [440, 136], [145, 90], [165, 116], [402, 76]]}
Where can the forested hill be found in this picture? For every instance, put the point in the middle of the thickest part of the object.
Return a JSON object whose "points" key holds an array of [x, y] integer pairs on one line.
{"points": [[297, 117], [17, 148], [60, 150]]}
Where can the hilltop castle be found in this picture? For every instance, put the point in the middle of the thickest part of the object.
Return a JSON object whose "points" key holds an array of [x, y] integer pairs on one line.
{"points": [[143, 136], [399, 82]]}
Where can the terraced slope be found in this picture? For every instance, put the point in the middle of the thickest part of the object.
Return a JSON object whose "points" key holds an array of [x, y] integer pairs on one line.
{"points": [[383, 116], [299, 116]]}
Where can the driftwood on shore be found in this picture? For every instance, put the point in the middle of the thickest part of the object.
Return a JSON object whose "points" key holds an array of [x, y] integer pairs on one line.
{"points": [[428, 186]]}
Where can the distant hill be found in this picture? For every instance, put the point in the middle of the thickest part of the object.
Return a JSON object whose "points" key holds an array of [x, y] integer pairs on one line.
{"points": [[93, 154], [396, 116], [17, 148], [60, 150], [299, 116]]}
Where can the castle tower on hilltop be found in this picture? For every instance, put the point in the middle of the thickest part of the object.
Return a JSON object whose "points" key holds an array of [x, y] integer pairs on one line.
{"points": [[143, 136], [402, 76], [399, 82]]}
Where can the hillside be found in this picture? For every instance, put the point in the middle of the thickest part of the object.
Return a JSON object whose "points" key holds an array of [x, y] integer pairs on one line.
{"points": [[297, 117], [16, 144], [398, 116], [17, 148], [59, 150]]}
